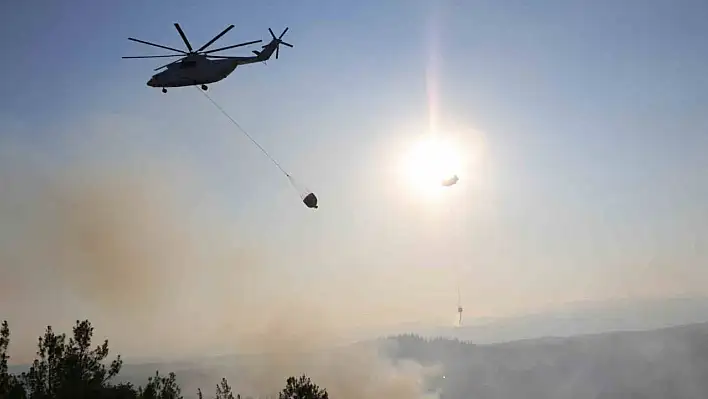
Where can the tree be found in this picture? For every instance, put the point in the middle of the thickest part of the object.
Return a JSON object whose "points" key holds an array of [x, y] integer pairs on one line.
{"points": [[4, 343], [70, 370], [10, 386], [161, 388], [223, 390], [7, 382], [302, 388]]}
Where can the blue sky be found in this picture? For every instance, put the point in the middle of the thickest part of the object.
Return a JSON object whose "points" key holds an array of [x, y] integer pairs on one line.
{"points": [[588, 118]]}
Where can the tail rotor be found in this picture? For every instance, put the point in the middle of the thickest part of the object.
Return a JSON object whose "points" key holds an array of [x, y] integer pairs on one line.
{"points": [[278, 41]]}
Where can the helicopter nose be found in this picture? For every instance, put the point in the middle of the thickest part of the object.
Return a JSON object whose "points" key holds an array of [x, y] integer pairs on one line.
{"points": [[151, 82]]}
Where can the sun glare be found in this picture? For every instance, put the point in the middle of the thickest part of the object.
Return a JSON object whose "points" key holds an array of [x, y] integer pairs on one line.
{"points": [[429, 162]]}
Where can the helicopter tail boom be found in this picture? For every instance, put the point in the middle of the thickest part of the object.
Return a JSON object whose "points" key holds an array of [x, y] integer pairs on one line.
{"points": [[272, 47]]}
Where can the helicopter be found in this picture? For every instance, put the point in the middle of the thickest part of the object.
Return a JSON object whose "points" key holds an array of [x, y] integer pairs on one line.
{"points": [[198, 67]]}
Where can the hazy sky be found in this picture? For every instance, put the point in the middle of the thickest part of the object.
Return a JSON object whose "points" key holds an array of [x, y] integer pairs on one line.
{"points": [[582, 126]]}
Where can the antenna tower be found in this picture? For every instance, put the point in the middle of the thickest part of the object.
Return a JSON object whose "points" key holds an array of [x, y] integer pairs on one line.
{"points": [[459, 307]]}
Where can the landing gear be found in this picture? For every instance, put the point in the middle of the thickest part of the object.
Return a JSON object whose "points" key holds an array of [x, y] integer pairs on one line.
{"points": [[164, 90], [204, 87]]}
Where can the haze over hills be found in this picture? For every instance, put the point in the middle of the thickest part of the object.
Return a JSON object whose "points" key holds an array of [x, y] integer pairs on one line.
{"points": [[654, 363], [572, 319], [663, 363]]}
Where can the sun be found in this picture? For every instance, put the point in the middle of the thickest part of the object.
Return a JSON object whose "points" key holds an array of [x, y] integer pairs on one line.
{"points": [[429, 161]]}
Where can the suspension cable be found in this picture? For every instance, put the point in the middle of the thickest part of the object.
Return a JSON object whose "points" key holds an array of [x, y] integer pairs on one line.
{"points": [[245, 133]]}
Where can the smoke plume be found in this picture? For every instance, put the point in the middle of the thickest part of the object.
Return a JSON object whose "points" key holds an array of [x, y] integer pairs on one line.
{"points": [[141, 249]]}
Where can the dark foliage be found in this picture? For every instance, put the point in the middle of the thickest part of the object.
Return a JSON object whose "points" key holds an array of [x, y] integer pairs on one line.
{"points": [[302, 388], [664, 363], [73, 369]]}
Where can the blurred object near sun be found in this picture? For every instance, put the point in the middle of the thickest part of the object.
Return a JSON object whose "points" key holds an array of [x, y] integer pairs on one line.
{"points": [[430, 162]]}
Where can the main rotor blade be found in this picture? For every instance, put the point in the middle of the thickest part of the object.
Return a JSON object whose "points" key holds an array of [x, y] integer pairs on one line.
{"points": [[181, 33], [157, 45], [216, 38], [229, 47], [155, 56]]}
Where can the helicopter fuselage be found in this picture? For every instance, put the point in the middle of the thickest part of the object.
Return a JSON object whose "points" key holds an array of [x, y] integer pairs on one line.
{"points": [[199, 68], [194, 71]]}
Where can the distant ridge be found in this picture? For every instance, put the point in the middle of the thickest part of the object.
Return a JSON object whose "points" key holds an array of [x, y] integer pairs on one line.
{"points": [[580, 318]]}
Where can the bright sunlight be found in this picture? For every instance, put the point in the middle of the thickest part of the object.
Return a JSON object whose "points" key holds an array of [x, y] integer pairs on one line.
{"points": [[430, 161]]}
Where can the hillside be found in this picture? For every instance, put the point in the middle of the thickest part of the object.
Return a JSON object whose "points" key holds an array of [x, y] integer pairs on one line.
{"points": [[577, 318], [662, 363], [665, 363]]}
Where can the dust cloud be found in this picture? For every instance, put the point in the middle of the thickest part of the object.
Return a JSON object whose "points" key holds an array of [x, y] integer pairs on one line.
{"points": [[351, 372], [306, 343], [141, 249]]}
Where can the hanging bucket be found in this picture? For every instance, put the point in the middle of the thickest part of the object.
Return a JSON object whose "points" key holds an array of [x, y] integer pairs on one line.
{"points": [[310, 200], [450, 181]]}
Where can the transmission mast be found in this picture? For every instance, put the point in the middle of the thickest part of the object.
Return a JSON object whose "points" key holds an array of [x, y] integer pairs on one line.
{"points": [[459, 306]]}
